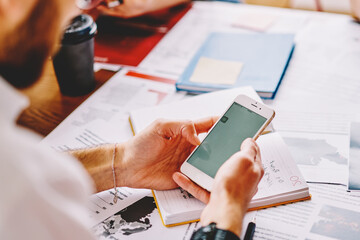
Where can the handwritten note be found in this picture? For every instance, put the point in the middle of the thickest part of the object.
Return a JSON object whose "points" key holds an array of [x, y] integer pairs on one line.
{"points": [[281, 174]]}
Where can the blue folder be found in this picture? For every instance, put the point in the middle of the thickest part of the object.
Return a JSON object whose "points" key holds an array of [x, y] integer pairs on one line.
{"points": [[265, 58]]}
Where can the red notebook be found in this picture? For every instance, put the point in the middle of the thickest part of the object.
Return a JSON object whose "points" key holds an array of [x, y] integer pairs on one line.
{"points": [[128, 41]]}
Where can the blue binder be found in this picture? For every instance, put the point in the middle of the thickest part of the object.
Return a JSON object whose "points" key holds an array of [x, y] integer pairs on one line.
{"points": [[265, 58]]}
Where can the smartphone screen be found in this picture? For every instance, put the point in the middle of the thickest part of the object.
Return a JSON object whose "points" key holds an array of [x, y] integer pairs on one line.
{"points": [[237, 124]]}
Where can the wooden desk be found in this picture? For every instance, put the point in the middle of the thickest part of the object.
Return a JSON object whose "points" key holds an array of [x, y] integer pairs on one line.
{"points": [[48, 107]]}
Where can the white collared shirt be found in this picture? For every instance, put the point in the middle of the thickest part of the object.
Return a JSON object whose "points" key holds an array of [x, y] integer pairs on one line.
{"points": [[43, 194]]}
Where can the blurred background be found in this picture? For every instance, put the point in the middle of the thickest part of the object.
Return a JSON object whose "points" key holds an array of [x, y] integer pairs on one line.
{"points": [[336, 6]]}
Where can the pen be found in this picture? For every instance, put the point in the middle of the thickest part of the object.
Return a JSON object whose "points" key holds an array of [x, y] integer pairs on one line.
{"points": [[250, 230]]}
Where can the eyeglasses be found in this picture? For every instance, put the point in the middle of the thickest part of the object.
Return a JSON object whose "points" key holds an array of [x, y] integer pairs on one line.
{"points": [[90, 4]]}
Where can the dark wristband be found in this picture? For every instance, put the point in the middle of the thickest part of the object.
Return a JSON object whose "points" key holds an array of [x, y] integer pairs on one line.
{"points": [[211, 232]]}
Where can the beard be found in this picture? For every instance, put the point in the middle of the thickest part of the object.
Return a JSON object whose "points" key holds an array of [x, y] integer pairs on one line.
{"points": [[25, 50]]}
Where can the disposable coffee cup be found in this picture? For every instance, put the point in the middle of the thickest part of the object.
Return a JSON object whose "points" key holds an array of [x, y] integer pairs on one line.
{"points": [[74, 63]]}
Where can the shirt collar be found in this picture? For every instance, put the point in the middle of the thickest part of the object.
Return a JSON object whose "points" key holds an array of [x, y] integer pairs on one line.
{"points": [[12, 103]]}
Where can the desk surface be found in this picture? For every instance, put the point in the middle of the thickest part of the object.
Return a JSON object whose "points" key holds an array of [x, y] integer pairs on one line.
{"points": [[48, 107]]}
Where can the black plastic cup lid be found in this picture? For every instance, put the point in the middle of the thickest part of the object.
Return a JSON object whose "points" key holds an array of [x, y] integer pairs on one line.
{"points": [[82, 28]]}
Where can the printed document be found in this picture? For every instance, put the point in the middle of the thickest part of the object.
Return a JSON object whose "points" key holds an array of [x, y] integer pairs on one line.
{"points": [[318, 142], [331, 214], [103, 117]]}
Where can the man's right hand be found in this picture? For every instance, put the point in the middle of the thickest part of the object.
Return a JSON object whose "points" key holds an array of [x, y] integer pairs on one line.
{"points": [[234, 186]]}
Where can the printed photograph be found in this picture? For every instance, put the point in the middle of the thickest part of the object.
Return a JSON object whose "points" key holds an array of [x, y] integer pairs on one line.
{"points": [[354, 158], [141, 220], [321, 157], [337, 223]]}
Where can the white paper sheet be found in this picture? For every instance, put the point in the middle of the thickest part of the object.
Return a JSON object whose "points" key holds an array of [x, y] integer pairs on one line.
{"points": [[201, 106], [101, 205], [321, 158], [354, 158], [318, 141], [331, 214], [324, 70], [141, 220], [104, 116]]}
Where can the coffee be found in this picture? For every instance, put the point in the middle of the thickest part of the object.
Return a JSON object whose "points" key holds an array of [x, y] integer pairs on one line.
{"points": [[74, 63]]}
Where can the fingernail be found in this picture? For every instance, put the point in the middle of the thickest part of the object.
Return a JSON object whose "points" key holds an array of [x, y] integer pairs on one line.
{"points": [[176, 176], [197, 139]]}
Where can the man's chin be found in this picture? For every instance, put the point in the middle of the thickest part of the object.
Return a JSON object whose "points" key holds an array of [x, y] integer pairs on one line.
{"points": [[27, 48]]}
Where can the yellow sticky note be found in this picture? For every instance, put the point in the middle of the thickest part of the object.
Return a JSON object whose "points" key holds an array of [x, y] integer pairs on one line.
{"points": [[213, 71]]}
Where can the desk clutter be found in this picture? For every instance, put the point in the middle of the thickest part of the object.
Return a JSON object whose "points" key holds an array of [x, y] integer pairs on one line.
{"points": [[316, 113]]}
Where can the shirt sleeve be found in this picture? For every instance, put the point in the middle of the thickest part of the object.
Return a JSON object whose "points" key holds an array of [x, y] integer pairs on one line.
{"points": [[44, 194]]}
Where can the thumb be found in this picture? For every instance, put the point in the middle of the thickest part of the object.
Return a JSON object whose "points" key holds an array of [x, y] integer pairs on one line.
{"points": [[189, 132], [249, 146], [188, 185]]}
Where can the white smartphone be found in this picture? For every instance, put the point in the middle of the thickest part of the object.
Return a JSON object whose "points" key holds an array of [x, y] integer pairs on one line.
{"points": [[245, 118]]}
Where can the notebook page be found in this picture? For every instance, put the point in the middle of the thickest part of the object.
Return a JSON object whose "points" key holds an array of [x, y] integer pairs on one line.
{"points": [[176, 200], [281, 172]]}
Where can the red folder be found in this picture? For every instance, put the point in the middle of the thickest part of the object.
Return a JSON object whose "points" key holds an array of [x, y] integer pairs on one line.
{"points": [[128, 41]]}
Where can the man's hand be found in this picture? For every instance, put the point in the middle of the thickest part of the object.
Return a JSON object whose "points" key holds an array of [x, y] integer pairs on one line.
{"points": [[234, 186], [151, 158]]}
